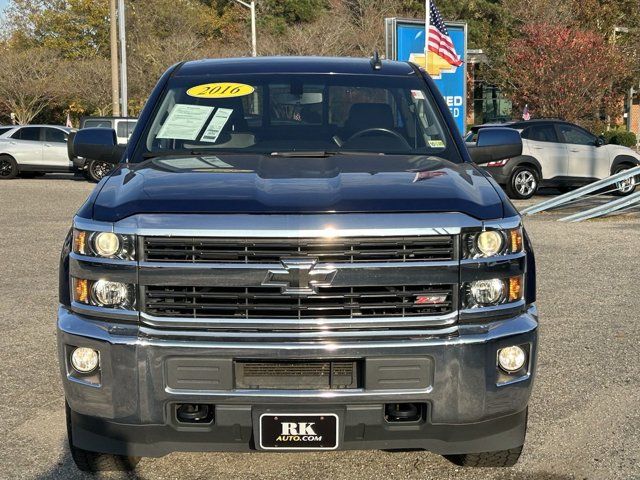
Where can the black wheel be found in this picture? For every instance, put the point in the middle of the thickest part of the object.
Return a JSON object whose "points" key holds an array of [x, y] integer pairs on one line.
{"points": [[625, 187], [97, 170], [8, 168], [523, 183], [97, 462], [502, 458]]}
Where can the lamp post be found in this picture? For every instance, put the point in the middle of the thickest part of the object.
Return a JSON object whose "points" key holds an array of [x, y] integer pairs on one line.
{"points": [[124, 98], [252, 7]]}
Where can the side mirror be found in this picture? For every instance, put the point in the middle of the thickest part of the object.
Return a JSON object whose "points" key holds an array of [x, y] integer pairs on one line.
{"points": [[97, 144], [494, 144], [600, 141]]}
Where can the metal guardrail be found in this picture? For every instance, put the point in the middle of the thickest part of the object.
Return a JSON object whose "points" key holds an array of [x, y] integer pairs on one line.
{"points": [[581, 192], [606, 209]]}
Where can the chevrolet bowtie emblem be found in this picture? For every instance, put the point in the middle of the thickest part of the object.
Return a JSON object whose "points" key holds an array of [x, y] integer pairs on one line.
{"points": [[299, 276]]}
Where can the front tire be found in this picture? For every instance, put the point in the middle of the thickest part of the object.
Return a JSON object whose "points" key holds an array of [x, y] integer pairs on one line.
{"points": [[523, 183], [8, 168], [500, 459], [97, 170], [625, 187], [97, 462]]}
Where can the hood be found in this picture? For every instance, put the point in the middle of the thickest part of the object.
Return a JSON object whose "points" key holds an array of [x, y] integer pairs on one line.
{"points": [[266, 185], [616, 150]]}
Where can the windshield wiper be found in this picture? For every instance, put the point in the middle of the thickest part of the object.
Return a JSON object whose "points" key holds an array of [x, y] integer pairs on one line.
{"points": [[321, 153], [190, 153]]}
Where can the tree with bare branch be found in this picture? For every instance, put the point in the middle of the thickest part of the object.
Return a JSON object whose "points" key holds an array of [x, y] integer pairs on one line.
{"points": [[28, 82]]}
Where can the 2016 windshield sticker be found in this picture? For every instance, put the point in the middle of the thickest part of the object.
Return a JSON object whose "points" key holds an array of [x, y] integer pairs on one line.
{"points": [[436, 144], [185, 122], [220, 90], [217, 123]]}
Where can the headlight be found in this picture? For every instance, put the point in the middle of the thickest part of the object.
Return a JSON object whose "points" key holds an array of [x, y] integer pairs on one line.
{"points": [[487, 292], [104, 244], [492, 243], [104, 293], [493, 292]]}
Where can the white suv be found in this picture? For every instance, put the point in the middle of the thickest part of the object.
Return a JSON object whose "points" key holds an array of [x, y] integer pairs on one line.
{"points": [[559, 154], [32, 150]]}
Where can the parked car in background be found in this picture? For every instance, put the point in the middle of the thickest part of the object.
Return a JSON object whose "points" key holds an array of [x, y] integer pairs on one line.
{"points": [[94, 169], [558, 154], [32, 150], [4, 129]]}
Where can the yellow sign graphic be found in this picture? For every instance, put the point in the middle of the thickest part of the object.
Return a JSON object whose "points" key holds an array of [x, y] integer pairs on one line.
{"points": [[433, 63], [220, 90]]}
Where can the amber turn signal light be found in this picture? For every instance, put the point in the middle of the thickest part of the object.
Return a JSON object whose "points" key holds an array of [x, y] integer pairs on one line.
{"points": [[515, 289], [516, 240], [81, 290], [79, 241]]}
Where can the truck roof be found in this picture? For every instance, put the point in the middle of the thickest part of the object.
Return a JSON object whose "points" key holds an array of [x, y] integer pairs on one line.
{"points": [[314, 65]]}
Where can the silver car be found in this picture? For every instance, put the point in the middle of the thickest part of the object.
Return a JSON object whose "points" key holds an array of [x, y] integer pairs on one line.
{"points": [[33, 149]]}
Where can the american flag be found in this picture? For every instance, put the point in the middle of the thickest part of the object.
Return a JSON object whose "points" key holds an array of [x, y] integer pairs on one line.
{"points": [[439, 40]]}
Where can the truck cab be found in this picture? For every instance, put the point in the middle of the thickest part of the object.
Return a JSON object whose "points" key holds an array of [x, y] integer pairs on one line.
{"points": [[297, 254]]}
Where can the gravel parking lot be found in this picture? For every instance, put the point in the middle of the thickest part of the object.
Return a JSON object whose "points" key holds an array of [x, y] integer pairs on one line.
{"points": [[584, 419]]}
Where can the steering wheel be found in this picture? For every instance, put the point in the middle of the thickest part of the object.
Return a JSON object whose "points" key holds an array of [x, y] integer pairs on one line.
{"points": [[385, 131]]}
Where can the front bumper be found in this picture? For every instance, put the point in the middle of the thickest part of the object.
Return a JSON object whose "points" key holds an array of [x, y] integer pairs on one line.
{"points": [[129, 409]]}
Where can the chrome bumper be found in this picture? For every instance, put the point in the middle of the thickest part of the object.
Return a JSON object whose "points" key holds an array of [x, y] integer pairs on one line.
{"points": [[465, 385]]}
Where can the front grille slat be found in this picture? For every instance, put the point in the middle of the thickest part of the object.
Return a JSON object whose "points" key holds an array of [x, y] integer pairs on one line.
{"points": [[264, 302], [342, 250]]}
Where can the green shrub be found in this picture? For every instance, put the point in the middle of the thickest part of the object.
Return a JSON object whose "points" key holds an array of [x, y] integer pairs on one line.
{"points": [[621, 137]]}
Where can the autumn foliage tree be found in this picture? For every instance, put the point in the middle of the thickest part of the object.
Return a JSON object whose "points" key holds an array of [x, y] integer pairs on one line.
{"points": [[563, 72]]}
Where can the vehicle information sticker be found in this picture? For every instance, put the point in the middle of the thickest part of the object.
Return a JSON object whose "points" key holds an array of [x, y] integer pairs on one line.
{"points": [[220, 90], [436, 144], [217, 123], [185, 122], [417, 94]]}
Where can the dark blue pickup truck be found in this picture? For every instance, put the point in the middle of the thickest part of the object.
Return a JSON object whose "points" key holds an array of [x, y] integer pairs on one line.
{"points": [[297, 254]]}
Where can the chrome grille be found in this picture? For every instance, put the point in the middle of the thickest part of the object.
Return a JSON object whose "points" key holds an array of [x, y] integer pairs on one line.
{"points": [[326, 250], [269, 302]]}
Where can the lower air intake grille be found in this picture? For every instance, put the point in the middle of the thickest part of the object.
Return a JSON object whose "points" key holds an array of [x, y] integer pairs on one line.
{"points": [[297, 375]]}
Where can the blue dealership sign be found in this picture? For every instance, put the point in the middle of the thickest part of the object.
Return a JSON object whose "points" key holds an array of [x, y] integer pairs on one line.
{"points": [[406, 42]]}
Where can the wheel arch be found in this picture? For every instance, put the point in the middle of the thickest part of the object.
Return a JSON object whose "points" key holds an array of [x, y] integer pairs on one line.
{"points": [[626, 160], [528, 161]]}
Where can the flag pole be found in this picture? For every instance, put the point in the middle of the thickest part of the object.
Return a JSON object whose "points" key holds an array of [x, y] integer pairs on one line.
{"points": [[427, 26]]}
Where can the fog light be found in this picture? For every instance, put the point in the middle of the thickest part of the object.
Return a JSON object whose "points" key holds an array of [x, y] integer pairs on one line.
{"points": [[487, 292], [85, 360], [106, 244], [512, 359], [110, 294]]}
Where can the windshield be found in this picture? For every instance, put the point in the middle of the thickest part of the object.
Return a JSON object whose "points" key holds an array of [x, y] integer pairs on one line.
{"points": [[278, 114]]}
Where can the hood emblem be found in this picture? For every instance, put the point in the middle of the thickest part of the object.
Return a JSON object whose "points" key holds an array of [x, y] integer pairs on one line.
{"points": [[299, 276]]}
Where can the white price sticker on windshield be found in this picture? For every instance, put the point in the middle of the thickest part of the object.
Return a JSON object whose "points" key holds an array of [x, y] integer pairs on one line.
{"points": [[217, 123], [185, 122]]}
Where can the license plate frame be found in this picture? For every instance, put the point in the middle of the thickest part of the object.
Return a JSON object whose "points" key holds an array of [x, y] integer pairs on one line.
{"points": [[299, 433]]}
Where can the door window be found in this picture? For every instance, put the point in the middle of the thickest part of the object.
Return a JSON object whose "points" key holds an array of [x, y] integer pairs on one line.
{"points": [[541, 133], [54, 135], [125, 129], [28, 133], [576, 136], [97, 124]]}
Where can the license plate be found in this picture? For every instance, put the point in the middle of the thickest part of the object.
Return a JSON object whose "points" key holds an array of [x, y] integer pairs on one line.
{"points": [[299, 431]]}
